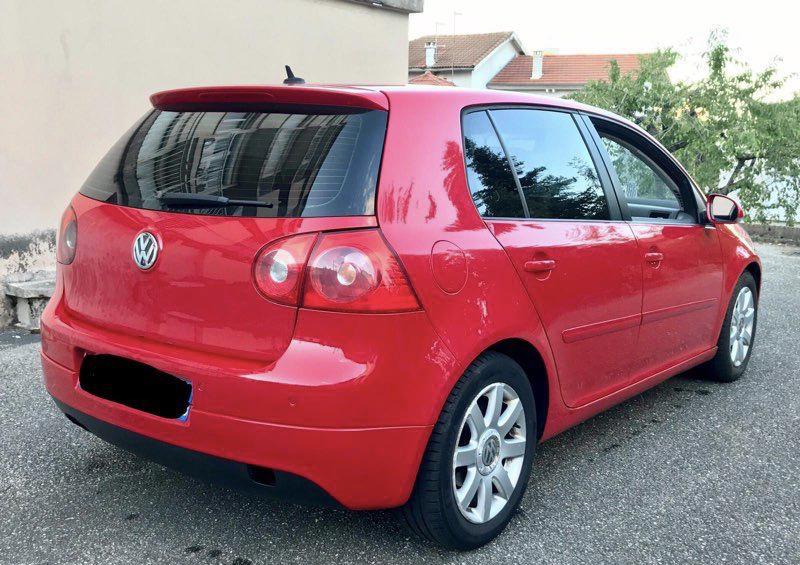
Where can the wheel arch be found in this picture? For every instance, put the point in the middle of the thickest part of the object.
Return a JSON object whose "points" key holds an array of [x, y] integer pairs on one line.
{"points": [[532, 362], [755, 269]]}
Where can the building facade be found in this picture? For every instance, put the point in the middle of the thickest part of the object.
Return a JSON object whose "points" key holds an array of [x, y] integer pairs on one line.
{"points": [[77, 74]]}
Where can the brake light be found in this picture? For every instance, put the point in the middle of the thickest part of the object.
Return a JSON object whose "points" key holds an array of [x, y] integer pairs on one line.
{"points": [[67, 237], [349, 271], [278, 268], [355, 271]]}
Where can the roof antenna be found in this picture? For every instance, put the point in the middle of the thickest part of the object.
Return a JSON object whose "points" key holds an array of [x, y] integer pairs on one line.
{"points": [[290, 78]]}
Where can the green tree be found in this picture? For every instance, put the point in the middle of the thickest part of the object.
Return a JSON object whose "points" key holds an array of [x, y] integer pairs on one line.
{"points": [[725, 128]]}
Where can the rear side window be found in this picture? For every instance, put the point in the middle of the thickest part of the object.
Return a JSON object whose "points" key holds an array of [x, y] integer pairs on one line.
{"points": [[491, 181], [321, 163], [555, 169]]}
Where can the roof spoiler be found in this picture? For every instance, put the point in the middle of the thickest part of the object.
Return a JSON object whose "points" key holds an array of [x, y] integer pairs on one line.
{"points": [[222, 97]]}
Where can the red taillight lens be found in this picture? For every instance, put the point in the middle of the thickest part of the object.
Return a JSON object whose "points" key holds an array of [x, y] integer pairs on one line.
{"points": [[343, 274], [278, 268], [355, 271], [67, 237]]}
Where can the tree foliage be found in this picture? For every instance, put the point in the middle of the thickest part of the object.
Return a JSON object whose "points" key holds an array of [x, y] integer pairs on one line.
{"points": [[724, 127]]}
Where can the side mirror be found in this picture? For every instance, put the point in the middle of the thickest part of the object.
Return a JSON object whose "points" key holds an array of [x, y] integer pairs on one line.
{"points": [[722, 209]]}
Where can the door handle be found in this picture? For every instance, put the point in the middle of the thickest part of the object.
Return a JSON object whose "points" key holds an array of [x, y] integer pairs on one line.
{"points": [[540, 266], [653, 257]]}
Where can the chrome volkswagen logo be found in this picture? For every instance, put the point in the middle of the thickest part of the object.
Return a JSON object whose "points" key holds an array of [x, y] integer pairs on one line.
{"points": [[145, 250], [488, 452], [491, 449]]}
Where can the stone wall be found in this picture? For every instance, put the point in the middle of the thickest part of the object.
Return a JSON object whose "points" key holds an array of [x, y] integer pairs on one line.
{"points": [[6, 310], [774, 234], [35, 251], [23, 257]]}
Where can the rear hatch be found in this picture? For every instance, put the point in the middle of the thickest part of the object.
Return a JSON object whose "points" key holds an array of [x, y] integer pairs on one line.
{"points": [[296, 159]]}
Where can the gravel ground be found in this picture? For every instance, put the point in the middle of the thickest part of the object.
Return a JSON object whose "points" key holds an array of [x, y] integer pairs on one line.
{"points": [[690, 471]]}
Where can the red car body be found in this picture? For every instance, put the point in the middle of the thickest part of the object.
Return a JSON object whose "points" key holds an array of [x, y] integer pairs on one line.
{"points": [[348, 400]]}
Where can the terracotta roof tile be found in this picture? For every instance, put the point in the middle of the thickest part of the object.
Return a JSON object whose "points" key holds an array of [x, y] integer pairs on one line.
{"points": [[564, 69], [459, 51], [429, 78]]}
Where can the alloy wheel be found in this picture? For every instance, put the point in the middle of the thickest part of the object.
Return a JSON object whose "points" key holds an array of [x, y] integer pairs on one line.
{"points": [[742, 322], [489, 453]]}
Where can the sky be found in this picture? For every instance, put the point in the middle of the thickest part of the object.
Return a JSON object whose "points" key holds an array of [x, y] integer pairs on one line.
{"points": [[762, 32]]}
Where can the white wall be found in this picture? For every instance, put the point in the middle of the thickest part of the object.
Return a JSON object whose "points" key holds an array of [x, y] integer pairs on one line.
{"points": [[556, 91], [76, 74], [487, 69], [459, 78], [482, 73]]}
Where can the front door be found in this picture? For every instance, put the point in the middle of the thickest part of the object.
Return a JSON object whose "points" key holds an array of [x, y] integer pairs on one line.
{"points": [[681, 257], [547, 204]]}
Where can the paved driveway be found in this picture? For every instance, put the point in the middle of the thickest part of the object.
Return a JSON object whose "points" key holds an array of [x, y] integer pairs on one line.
{"points": [[688, 472]]}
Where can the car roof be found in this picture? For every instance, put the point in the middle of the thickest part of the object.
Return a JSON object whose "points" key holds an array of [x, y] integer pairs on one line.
{"points": [[377, 97], [473, 96]]}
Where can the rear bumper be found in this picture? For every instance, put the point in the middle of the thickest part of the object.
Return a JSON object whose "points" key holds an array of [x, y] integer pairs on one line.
{"points": [[359, 468], [350, 411], [206, 467]]}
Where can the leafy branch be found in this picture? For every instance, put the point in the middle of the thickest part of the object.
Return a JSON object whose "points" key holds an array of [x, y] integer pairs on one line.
{"points": [[728, 127]]}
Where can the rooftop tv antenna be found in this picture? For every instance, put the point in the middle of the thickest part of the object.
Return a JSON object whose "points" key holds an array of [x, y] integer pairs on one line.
{"points": [[290, 78]]}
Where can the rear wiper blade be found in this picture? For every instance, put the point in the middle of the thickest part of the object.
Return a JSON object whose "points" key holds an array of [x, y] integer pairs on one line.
{"points": [[189, 200]]}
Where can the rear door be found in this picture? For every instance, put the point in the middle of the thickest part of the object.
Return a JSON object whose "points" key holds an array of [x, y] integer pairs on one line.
{"points": [[680, 254], [311, 167], [535, 181]]}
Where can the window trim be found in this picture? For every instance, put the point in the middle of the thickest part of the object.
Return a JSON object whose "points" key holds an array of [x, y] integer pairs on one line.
{"points": [[517, 184], [657, 155], [612, 202], [511, 167]]}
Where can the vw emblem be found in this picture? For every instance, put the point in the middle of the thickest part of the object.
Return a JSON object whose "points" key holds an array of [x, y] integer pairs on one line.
{"points": [[488, 452], [491, 450], [145, 250]]}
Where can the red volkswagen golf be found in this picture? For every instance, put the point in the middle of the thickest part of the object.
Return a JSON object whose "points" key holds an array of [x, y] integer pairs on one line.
{"points": [[386, 297]]}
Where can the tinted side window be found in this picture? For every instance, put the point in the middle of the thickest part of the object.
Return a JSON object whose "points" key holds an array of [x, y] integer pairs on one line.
{"points": [[651, 188], [556, 171], [638, 176], [488, 172]]}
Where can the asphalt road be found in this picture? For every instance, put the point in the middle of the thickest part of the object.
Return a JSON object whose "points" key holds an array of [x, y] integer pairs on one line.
{"points": [[690, 471]]}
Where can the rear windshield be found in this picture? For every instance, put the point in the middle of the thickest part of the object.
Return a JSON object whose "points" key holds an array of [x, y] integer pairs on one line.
{"points": [[303, 164]]}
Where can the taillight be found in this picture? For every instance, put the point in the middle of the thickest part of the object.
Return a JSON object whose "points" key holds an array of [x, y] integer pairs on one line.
{"points": [[278, 269], [350, 271], [67, 237], [355, 271]]}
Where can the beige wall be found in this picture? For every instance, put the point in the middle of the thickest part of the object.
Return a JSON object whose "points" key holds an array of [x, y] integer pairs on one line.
{"points": [[74, 74]]}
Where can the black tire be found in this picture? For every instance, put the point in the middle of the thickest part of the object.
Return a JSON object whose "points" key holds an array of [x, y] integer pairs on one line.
{"points": [[721, 368], [432, 512]]}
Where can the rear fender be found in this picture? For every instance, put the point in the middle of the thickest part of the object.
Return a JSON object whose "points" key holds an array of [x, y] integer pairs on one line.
{"points": [[464, 280]]}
